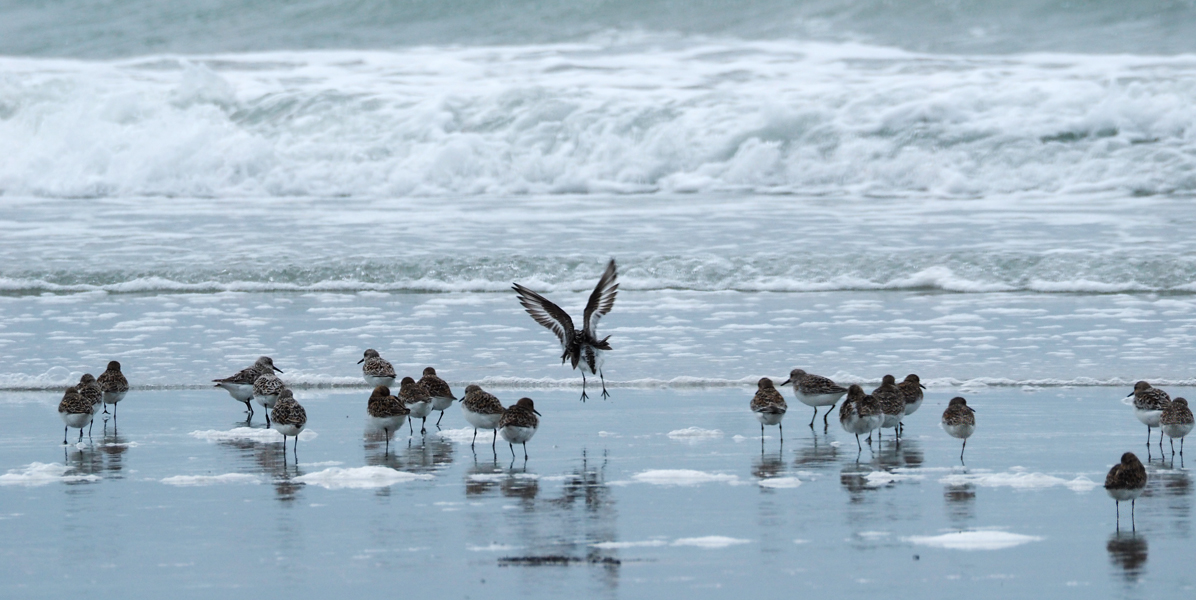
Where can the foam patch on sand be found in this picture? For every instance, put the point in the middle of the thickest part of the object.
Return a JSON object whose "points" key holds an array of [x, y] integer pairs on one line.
{"points": [[464, 435], [37, 474], [710, 542], [494, 547], [621, 545], [359, 477], [1019, 480], [695, 434], [248, 434], [780, 482], [682, 477], [974, 540], [879, 478], [189, 480]]}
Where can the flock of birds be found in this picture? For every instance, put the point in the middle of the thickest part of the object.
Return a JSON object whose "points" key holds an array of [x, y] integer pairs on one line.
{"points": [[884, 408]]}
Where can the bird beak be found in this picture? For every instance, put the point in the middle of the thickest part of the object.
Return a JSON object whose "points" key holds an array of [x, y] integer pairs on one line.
{"points": [[1131, 395], [361, 361], [971, 409], [786, 382], [537, 413], [278, 369], [922, 386]]}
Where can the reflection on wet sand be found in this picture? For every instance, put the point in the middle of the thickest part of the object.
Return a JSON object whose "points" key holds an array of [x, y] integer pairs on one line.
{"points": [[113, 448], [768, 466], [83, 461], [816, 455], [1173, 487], [286, 489], [961, 503], [1128, 551], [267, 459]]}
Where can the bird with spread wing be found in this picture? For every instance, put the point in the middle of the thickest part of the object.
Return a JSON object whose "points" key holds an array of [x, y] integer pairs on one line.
{"points": [[579, 347]]}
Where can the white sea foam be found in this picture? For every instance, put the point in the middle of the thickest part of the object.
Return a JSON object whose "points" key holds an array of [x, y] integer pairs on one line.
{"points": [[492, 547], [695, 434], [463, 435], [38, 474], [1019, 480], [360, 477], [710, 542], [974, 540], [880, 478], [196, 480], [682, 477], [250, 434], [780, 482], [621, 545]]}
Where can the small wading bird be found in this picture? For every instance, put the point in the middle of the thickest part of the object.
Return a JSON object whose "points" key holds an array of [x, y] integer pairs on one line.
{"points": [[75, 411], [959, 421], [1177, 422], [769, 407], [289, 419], [815, 390], [580, 347], [240, 386], [114, 386], [859, 414], [911, 393], [377, 370], [518, 424], [438, 389], [386, 412], [1149, 403], [1126, 481], [482, 410]]}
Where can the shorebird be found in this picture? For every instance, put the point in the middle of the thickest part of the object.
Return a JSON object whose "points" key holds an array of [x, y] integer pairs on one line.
{"points": [[240, 386], [438, 389], [75, 412], [376, 371], [114, 385], [815, 390], [911, 393], [1126, 481], [769, 407], [289, 419], [416, 399], [482, 410], [266, 388], [959, 421], [90, 391], [1176, 422], [1149, 403], [580, 347], [891, 403], [386, 412], [860, 414], [518, 424]]}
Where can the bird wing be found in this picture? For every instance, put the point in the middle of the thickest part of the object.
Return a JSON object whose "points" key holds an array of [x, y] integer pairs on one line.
{"points": [[602, 299], [546, 313]]}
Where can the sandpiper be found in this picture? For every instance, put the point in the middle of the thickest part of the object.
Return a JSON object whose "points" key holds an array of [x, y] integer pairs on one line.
{"points": [[75, 412], [438, 389], [911, 394], [90, 390], [482, 410], [518, 424], [860, 414], [582, 347], [265, 391], [959, 421], [289, 419], [114, 385], [1126, 481], [240, 386], [891, 403], [1149, 403], [815, 390], [386, 412], [1176, 422], [769, 406], [376, 370], [416, 399]]}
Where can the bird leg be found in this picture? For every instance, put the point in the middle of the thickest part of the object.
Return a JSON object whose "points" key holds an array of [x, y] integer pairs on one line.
{"points": [[825, 425], [813, 417], [475, 437], [64, 431], [423, 429], [438, 420], [605, 394], [583, 386], [524, 451]]}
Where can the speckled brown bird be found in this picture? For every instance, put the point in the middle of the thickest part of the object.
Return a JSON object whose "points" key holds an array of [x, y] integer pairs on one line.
{"points": [[114, 386], [1126, 481], [518, 424], [483, 410], [386, 412], [289, 419], [76, 411], [1176, 422], [416, 399], [769, 407], [959, 421], [439, 390], [891, 404]]}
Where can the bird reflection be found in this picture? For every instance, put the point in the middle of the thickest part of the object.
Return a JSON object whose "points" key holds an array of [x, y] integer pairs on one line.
{"points": [[816, 456], [1128, 551], [286, 489], [768, 466], [483, 477], [427, 455], [113, 448], [521, 485], [961, 503], [84, 462], [908, 454]]}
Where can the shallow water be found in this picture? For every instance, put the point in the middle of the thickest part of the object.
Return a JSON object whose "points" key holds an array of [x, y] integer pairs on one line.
{"points": [[654, 491]]}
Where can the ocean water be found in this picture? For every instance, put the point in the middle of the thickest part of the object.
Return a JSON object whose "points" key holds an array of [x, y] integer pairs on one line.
{"points": [[999, 199]]}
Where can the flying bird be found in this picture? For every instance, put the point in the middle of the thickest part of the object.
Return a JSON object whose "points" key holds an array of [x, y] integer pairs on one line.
{"points": [[579, 347]]}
